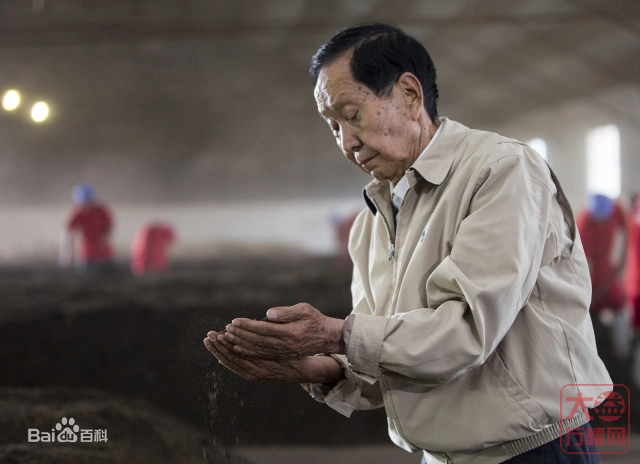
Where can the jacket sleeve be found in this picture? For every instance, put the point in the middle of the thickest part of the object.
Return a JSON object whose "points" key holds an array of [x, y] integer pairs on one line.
{"points": [[474, 294]]}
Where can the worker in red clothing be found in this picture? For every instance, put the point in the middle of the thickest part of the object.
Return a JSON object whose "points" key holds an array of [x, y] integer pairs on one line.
{"points": [[603, 231], [92, 222], [149, 248], [633, 261], [600, 226], [633, 283]]}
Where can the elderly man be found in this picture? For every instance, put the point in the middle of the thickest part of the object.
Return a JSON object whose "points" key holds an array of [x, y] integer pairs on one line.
{"points": [[470, 285]]}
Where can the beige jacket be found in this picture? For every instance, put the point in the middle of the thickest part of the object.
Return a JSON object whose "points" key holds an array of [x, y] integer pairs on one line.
{"points": [[472, 314]]}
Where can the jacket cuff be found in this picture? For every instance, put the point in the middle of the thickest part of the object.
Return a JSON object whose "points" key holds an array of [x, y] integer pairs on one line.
{"points": [[345, 395], [365, 344]]}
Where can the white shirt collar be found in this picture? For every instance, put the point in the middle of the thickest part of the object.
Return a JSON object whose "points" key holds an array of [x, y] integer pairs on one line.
{"points": [[402, 187]]}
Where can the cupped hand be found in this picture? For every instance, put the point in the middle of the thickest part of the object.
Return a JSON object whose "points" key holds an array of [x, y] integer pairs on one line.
{"points": [[311, 369], [293, 332]]}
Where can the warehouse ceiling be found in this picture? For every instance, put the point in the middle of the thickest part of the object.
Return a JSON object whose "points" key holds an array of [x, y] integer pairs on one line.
{"points": [[495, 58], [152, 78]]}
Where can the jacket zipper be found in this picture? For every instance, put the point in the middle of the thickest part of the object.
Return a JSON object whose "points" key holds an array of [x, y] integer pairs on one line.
{"points": [[392, 242]]}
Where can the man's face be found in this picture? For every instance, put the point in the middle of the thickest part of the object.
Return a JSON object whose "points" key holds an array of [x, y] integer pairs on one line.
{"points": [[379, 135]]}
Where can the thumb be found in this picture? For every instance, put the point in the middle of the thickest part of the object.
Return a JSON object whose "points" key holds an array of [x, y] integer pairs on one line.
{"points": [[285, 314]]}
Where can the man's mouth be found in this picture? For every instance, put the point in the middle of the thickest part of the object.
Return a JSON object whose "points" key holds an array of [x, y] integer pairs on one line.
{"points": [[366, 160]]}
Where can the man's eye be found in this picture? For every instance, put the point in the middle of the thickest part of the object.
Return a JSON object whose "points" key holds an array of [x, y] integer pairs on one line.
{"points": [[336, 131], [353, 117]]}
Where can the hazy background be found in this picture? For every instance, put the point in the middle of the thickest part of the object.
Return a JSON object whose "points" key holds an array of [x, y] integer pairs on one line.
{"points": [[201, 112]]}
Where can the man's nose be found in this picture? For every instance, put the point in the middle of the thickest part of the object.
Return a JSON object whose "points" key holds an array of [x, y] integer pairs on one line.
{"points": [[349, 141]]}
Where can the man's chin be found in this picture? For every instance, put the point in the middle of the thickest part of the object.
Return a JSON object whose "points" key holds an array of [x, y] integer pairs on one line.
{"points": [[376, 173], [379, 175]]}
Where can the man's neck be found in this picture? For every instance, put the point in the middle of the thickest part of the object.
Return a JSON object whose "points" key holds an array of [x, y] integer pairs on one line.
{"points": [[429, 130]]}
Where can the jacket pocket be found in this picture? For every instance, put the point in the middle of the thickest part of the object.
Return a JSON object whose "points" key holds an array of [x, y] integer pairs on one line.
{"points": [[510, 383], [480, 409]]}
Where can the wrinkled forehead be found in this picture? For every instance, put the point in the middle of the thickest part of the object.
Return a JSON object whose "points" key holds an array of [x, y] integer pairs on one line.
{"points": [[329, 87], [336, 86]]}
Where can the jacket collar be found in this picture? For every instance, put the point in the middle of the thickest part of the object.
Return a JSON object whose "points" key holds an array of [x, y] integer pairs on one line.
{"points": [[433, 167]]}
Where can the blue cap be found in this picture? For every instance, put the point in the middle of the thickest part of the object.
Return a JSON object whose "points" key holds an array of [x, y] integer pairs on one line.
{"points": [[600, 206], [82, 193]]}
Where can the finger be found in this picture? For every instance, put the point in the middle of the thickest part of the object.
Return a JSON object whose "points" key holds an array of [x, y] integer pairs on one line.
{"points": [[212, 335], [214, 351], [228, 360], [266, 347], [259, 370], [233, 356], [260, 327], [227, 346], [242, 351], [254, 341], [239, 364], [289, 313], [225, 349]]}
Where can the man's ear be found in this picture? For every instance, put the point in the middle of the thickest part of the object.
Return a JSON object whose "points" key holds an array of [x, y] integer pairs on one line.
{"points": [[412, 93]]}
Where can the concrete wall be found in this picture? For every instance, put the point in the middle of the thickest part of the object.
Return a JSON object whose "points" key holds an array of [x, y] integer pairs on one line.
{"points": [[301, 222], [216, 133], [203, 229], [565, 128]]}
